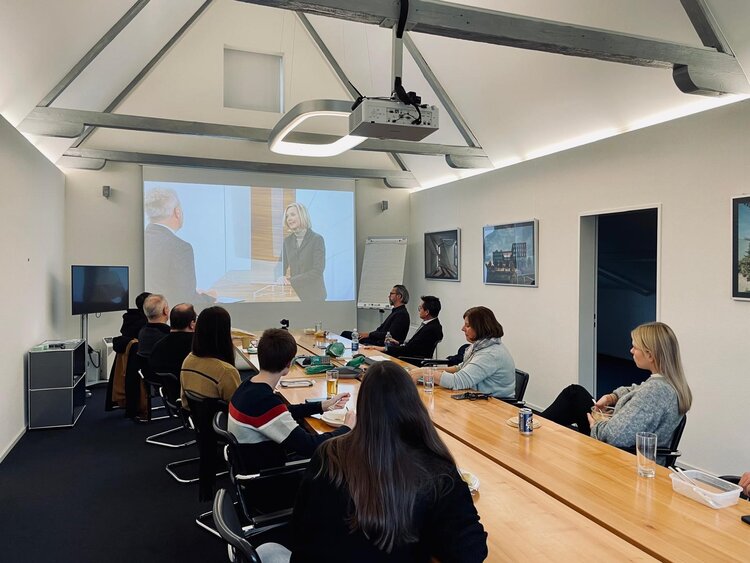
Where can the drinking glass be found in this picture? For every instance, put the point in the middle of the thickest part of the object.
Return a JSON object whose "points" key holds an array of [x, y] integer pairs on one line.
{"points": [[332, 383], [428, 380], [645, 447]]}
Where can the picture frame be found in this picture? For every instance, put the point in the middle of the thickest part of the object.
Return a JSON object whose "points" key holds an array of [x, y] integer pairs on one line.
{"points": [[741, 248], [442, 255], [510, 254]]}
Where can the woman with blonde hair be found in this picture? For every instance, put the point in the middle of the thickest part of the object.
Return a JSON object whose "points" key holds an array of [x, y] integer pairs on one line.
{"points": [[657, 405], [304, 255]]}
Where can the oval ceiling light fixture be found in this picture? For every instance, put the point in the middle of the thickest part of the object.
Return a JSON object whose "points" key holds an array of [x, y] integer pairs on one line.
{"points": [[301, 112]]}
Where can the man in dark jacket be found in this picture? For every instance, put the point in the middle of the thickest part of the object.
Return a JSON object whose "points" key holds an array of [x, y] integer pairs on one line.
{"points": [[422, 344], [157, 313], [169, 352], [397, 323]]}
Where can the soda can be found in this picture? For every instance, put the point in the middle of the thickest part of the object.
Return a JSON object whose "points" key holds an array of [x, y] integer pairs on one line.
{"points": [[525, 422]]}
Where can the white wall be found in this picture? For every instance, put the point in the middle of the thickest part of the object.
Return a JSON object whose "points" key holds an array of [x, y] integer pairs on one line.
{"points": [[101, 231], [372, 222], [31, 251], [691, 167]]}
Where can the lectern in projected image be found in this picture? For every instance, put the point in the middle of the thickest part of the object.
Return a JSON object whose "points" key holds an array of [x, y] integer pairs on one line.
{"points": [[510, 254], [741, 251], [442, 260]]}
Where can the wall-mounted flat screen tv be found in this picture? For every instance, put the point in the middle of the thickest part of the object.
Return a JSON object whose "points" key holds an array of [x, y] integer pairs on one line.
{"points": [[99, 289]]}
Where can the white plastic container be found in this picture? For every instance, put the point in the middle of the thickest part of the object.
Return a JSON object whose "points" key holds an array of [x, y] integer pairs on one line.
{"points": [[730, 492]]}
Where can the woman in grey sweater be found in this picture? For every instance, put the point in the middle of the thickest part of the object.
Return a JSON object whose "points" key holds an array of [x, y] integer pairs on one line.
{"points": [[488, 366], [657, 405]]}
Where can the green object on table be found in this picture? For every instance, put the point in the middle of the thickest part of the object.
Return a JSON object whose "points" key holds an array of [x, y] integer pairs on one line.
{"points": [[356, 362], [320, 368], [335, 349]]}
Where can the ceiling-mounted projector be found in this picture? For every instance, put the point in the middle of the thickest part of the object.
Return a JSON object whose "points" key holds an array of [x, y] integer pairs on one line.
{"points": [[392, 119]]}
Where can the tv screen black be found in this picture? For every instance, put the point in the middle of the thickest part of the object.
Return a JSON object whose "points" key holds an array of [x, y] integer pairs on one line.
{"points": [[99, 289]]}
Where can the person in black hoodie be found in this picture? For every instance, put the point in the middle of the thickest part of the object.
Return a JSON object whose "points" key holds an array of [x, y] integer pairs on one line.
{"points": [[133, 320]]}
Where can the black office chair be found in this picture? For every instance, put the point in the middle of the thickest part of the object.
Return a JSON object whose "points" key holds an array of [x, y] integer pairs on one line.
{"points": [[669, 453], [265, 480], [239, 538], [169, 391], [153, 385], [522, 381], [454, 360], [184, 471], [133, 383], [202, 412]]}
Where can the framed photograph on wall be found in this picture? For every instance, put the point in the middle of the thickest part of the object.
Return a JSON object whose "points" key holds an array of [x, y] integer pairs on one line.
{"points": [[741, 247], [442, 255], [510, 254]]}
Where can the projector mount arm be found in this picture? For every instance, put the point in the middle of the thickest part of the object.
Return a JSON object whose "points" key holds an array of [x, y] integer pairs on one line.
{"points": [[399, 92]]}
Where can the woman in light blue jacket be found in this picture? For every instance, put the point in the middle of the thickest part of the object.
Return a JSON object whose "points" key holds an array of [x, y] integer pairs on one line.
{"points": [[488, 366]]}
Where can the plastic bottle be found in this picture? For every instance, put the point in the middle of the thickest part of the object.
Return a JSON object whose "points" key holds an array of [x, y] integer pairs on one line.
{"points": [[355, 340], [388, 339]]}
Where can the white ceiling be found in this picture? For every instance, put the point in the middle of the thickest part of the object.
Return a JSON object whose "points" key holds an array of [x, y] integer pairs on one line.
{"points": [[519, 104]]}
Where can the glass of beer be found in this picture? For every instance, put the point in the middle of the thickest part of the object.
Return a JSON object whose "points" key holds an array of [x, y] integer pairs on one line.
{"points": [[332, 383]]}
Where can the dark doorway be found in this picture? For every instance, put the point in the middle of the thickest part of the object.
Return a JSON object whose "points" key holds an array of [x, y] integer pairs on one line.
{"points": [[626, 292]]}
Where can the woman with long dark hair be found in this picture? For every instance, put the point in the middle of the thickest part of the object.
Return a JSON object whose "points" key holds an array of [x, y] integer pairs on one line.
{"points": [[209, 369], [388, 490]]}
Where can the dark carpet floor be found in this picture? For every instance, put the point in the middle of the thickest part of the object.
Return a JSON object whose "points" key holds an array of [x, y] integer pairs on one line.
{"points": [[98, 493]]}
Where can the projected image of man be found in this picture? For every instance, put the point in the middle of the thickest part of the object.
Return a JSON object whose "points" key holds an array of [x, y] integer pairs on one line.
{"points": [[304, 255], [169, 260]]}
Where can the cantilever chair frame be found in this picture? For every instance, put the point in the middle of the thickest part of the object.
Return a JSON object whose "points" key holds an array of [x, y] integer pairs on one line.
{"points": [[242, 476], [237, 537], [172, 406], [153, 387]]}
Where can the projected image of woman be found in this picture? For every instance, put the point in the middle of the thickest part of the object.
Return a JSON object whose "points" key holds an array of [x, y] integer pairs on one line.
{"points": [[304, 255]]}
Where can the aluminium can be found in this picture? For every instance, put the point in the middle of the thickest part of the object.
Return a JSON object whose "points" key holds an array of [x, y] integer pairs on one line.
{"points": [[525, 422]]}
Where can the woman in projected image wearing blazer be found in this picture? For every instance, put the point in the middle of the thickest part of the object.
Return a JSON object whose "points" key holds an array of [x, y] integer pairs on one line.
{"points": [[304, 255]]}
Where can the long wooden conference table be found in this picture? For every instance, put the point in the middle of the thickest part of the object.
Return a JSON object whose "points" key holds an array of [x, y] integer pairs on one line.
{"points": [[559, 494]]}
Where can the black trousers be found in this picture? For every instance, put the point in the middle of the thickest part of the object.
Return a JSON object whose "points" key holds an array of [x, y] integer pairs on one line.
{"points": [[571, 406]]}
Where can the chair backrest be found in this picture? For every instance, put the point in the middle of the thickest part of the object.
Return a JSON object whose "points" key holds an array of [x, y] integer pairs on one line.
{"points": [[229, 528], [202, 412], [170, 391], [522, 380], [675, 443], [264, 480]]}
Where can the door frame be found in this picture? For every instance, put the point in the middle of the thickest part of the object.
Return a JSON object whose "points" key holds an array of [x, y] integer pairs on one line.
{"points": [[588, 238]]}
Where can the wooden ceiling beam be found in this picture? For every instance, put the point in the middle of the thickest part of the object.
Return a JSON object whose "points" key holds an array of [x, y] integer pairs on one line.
{"points": [[710, 71]]}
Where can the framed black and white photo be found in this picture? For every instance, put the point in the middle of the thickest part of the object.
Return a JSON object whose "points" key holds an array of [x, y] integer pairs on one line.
{"points": [[442, 255], [510, 254], [741, 247]]}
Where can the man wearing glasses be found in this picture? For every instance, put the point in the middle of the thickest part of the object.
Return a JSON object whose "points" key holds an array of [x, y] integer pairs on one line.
{"points": [[422, 344], [397, 323]]}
